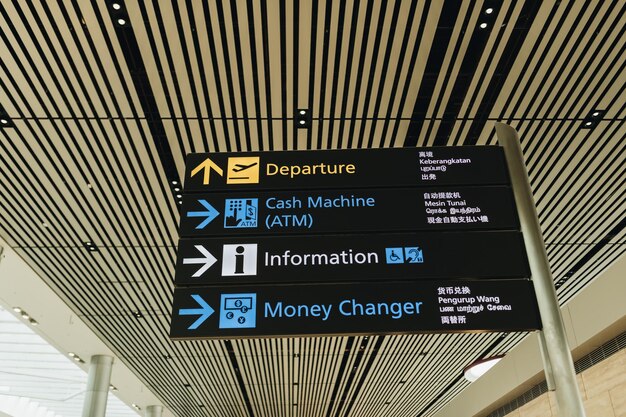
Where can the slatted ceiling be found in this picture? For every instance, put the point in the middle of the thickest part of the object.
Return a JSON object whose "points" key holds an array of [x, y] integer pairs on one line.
{"points": [[500, 29], [188, 72], [575, 72], [583, 276], [244, 126], [61, 262], [69, 190]]}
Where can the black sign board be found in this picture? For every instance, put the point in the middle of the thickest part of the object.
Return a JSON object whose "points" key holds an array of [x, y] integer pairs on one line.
{"points": [[355, 168], [348, 258], [360, 210], [352, 309]]}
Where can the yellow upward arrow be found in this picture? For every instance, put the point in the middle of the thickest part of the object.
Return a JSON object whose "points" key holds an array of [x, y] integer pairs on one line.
{"points": [[206, 165]]}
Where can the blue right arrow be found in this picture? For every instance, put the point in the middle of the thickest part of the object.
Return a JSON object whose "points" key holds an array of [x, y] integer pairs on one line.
{"points": [[210, 214], [204, 312]]}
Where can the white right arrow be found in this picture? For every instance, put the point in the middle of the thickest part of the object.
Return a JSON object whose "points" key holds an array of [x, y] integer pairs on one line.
{"points": [[208, 260]]}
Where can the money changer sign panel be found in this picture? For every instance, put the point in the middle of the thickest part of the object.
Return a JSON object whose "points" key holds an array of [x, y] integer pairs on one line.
{"points": [[340, 309]]}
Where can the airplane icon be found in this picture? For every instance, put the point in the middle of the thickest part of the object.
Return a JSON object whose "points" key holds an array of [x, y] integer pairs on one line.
{"points": [[243, 170], [241, 167]]}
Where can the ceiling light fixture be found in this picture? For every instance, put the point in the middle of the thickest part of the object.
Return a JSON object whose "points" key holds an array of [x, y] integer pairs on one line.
{"points": [[483, 25], [112, 388], [593, 118], [116, 6], [121, 21], [90, 246], [25, 315], [489, 10], [480, 367], [136, 407], [303, 119], [5, 120]]}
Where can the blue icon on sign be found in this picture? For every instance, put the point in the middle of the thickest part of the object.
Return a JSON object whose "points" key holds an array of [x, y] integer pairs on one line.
{"points": [[409, 255], [241, 212], [394, 255], [413, 255], [238, 311]]}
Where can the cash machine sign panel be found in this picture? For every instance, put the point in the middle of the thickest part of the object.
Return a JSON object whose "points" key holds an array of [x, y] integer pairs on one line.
{"points": [[348, 210]]}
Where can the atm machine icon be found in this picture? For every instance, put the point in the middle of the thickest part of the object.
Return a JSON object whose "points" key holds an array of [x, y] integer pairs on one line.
{"points": [[238, 311]]}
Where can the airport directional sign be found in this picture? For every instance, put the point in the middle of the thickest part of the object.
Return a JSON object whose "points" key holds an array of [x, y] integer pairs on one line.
{"points": [[225, 312], [349, 258], [354, 168], [348, 210], [359, 241]]}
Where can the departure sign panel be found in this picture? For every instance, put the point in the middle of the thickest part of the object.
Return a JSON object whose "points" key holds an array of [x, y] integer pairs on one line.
{"points": [[466, 165], [348, 210], [352, 309], [349, 258]]}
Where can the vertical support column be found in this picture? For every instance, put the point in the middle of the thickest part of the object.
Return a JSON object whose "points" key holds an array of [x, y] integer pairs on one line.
{"points": [[154, 411], [558, 352], [546, 361], [98, 386]]}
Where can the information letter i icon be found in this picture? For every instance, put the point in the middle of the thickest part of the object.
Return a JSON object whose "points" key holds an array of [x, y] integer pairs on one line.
{"points": [[239, 259]]}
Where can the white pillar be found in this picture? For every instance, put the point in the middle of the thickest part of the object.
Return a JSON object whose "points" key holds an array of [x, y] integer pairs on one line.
{"points": [[98, 386], [154, 411]]}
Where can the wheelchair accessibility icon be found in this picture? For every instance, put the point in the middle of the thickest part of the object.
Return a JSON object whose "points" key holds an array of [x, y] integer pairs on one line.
{"points": [[238, 311], [409, 255]]}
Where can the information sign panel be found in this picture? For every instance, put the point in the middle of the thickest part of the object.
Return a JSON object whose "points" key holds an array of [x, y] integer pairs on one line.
{"points": [[352, 309], [345, 258], [336, 211], [354, 168]]}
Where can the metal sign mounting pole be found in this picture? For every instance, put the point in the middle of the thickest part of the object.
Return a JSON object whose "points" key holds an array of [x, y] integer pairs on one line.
{"points": [[560, 360]]}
